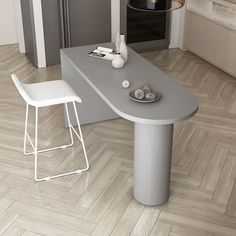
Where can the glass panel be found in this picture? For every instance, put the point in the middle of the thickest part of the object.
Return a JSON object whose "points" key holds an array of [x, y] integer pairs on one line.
{"points": [[145, 26]]}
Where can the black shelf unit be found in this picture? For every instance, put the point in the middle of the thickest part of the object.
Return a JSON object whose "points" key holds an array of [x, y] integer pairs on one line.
{"points": [[145, 30], [145, 26]]}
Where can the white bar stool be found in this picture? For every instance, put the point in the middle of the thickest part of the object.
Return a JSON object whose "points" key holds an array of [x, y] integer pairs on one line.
{"points": [[47, 94]]}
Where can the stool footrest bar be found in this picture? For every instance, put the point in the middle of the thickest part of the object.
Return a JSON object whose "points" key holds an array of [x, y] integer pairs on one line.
{"points": [[61, 175]]}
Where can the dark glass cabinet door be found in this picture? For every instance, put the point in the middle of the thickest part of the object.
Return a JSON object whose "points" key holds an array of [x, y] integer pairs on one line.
{"points": [[145, 26]]}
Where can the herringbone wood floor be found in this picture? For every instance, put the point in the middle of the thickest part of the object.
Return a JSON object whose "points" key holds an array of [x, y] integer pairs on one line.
{"points": [[100, 202]]}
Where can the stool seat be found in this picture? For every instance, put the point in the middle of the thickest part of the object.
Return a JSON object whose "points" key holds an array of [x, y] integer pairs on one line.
{"points": [[49, 93]]}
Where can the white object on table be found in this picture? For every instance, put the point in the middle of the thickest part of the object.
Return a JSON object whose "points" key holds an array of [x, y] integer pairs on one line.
{"points": [[103, 53], [123, 48], [118, 62], [117, 42], [125, 84]]}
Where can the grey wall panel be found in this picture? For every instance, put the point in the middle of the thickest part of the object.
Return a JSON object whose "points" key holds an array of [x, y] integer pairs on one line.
{"points": [[90, 21], [52, 30], [29, 30], [123, 17]]}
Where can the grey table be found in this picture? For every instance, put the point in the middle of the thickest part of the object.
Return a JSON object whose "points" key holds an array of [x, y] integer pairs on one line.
{"points": [[99, 86]]}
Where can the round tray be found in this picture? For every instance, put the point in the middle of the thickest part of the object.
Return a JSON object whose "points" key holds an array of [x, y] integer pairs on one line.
{"points": [[144, 100]]}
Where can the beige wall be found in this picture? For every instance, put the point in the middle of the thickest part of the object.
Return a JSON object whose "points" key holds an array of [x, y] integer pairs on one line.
{"points": [[8, 33], [213, 42]]}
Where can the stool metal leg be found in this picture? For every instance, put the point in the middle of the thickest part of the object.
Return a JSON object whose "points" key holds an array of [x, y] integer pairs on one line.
{"points": [[27, 137], [26, 125], [80, 136], [35, 145], [70, 129]]}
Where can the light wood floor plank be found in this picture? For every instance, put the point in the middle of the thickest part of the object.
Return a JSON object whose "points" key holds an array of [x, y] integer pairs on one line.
{"points": [[115, 211], [161, 229], [104, 201], [52, 217], [179, 231], [192, 223], [215, 166], [44, 228], [98, 186], [192, 149], [200, 164], [146, 221], [128, 219], [231, 208], [6, 220], [46, 203], [13, 231], [224, 187], [28, 233], [82, 184]]}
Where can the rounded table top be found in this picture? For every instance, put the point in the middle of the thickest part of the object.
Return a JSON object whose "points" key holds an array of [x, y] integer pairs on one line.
{"points": [[176, 103]]}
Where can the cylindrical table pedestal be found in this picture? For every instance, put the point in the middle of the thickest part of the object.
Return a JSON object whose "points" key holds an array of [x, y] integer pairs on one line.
{"points": [[152, 163]]}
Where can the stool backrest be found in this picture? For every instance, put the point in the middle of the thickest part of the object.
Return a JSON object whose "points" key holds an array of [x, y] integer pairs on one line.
{"points": [[20, 88]]}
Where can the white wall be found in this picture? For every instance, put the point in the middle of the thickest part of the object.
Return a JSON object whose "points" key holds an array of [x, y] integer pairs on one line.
{"points": [[39, 33], [8, 33], [19, 26], [177, 28], [115, 18]]}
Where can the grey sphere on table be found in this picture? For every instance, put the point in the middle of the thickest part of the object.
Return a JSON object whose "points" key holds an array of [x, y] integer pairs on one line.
{"points": [[139, 94], [150, 95]]}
